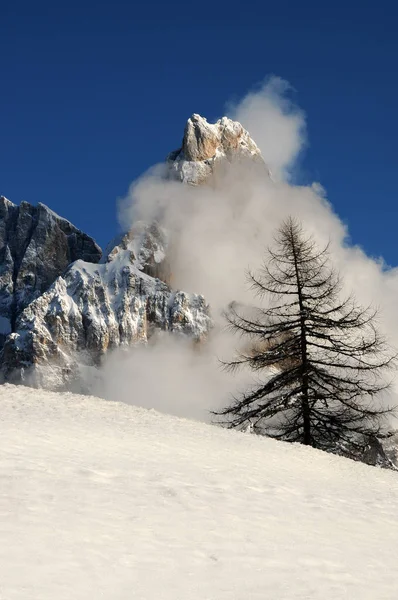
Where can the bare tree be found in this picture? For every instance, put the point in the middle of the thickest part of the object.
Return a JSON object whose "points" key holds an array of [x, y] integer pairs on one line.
{"points": [[322, 358]]}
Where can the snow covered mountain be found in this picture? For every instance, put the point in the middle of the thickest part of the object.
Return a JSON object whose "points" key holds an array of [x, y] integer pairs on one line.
{"points": [[36, 246], [105, 500], [57, 321], [94, 308]]}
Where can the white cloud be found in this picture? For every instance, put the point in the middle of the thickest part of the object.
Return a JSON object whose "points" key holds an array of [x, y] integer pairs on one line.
{"points": [[275, 123]]}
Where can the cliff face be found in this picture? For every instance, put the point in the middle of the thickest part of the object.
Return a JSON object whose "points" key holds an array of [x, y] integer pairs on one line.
{"points": [[36, 246]]}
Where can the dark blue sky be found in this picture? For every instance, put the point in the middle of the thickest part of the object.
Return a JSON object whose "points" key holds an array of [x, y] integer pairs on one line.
{"points": [[93, 93]]}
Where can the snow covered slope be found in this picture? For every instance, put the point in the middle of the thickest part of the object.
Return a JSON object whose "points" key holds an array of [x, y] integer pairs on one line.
{"points": [[104, 500]]}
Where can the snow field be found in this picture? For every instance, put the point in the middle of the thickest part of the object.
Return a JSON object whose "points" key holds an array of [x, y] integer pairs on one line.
{"points": [[107, 501]]}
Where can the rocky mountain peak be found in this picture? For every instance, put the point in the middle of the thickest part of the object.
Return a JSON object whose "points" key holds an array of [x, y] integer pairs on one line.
{"points": [[206, 145], [201, 139]]}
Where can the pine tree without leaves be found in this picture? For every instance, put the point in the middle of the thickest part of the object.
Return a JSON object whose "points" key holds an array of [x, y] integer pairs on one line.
{"points": [[323, 358]]}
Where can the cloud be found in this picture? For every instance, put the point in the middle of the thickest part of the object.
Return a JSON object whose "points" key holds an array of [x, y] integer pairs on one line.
{"points": [[169, 375], [216, 233], [276, 124]]}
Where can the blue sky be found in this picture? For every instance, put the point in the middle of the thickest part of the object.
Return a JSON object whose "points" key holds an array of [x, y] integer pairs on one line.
{"points": [[92, 94]]}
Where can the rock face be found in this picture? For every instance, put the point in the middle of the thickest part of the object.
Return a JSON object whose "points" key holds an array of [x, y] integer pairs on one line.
{"points": [[94, 308], [206, 147], [36, 246], [149, 244]]}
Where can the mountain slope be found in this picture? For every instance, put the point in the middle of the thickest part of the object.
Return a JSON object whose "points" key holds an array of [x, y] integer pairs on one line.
{"points": [[104, 500]]}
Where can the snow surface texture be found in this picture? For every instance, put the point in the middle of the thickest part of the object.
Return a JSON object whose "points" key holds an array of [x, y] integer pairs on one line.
{"points": [[104, 500]]}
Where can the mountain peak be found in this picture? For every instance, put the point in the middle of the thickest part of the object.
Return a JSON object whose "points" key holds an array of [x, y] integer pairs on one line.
{"points": [[205, 145]]}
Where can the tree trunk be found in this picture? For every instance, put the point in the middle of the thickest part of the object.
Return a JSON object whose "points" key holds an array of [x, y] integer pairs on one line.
{"points": [[304, 359]]}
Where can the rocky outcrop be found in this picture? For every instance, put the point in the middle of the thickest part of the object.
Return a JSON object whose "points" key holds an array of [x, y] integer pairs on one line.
{"points": [[376, 454], [207, 147], [36, 246], [94, 308], [149, 244], [201, 140]]}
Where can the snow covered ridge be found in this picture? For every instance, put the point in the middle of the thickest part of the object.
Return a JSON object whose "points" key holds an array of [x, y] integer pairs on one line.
{"points": [[207, 147], [94, 308], [104, 500]]}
